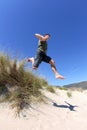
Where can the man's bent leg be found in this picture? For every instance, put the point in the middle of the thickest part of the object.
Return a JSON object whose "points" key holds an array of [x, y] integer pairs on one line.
{"points": [[53, 67]]}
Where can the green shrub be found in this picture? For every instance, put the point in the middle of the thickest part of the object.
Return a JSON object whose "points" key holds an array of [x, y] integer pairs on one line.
{"points": [[50, 89], [63, 88], [69, 94]]}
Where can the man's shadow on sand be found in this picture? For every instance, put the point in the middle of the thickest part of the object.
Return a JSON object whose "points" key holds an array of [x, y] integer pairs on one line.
{"points": [[69, 106]]}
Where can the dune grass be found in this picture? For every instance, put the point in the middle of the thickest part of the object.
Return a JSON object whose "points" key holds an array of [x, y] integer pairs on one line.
{"points": [[69, 94], [63, 88], [50, 88], [18, 86]]}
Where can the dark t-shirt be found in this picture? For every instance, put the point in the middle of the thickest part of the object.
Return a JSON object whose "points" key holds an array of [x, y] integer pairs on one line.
{"points": [[42, 46]]}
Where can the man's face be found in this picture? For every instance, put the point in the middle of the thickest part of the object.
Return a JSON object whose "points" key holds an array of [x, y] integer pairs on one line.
{"points": [[47, 37]]}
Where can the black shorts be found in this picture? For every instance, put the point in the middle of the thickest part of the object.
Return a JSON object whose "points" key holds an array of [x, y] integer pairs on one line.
{"points": [[41, 56]]}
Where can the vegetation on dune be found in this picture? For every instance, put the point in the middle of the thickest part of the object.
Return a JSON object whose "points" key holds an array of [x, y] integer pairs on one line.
{"points": [[69, 94], [19, 86], [50, 88], [63, 88]]}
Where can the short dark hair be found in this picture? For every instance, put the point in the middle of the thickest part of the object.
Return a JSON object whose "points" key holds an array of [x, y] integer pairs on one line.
{"points": [[47, 34]]}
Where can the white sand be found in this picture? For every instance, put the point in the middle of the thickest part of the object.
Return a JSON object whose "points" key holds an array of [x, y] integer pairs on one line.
{"points": [[49, 117]]}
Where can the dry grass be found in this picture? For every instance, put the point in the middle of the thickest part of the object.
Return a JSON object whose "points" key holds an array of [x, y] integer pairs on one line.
{"points": [[19, 86]]}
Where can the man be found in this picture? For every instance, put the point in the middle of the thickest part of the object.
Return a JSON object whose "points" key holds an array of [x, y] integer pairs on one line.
{"points": [[41, 55]]}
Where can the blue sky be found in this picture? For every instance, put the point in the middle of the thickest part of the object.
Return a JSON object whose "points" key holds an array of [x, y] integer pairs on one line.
{"points": [[65, 20]]}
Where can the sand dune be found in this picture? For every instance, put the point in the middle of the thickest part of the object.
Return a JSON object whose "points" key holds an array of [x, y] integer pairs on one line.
{"points": [[57, 114]]}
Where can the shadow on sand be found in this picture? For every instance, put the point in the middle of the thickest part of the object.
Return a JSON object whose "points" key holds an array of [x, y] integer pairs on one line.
{"points": [[67, 105]]}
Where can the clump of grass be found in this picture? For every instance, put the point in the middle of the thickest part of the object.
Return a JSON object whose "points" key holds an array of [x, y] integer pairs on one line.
{"points": [[19, 85], [43, 82], [69, 94], [50, 89], [63, 88]]}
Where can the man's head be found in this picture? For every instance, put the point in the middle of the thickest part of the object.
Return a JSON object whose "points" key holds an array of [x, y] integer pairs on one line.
{"points": [[47, 36]]}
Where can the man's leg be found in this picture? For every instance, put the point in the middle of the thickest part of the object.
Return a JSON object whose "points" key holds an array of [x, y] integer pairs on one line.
{"points": [[53, 67], [32, 61]]}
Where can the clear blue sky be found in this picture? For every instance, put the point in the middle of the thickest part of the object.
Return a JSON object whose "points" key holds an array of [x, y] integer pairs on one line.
{"points": [[65, 20]]}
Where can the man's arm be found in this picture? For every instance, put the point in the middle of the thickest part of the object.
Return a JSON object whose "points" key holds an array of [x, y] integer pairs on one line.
{"points": [[41, 38]]}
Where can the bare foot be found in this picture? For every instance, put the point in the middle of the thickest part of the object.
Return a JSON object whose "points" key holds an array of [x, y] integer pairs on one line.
{"points": [[59, 76], [32, 60]]}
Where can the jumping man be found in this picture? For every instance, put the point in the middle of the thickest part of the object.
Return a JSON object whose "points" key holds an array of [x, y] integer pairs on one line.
{"points": [[41, 55]]}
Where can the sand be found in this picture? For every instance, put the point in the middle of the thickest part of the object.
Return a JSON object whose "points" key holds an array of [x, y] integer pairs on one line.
{"points": [[56, 115]]}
